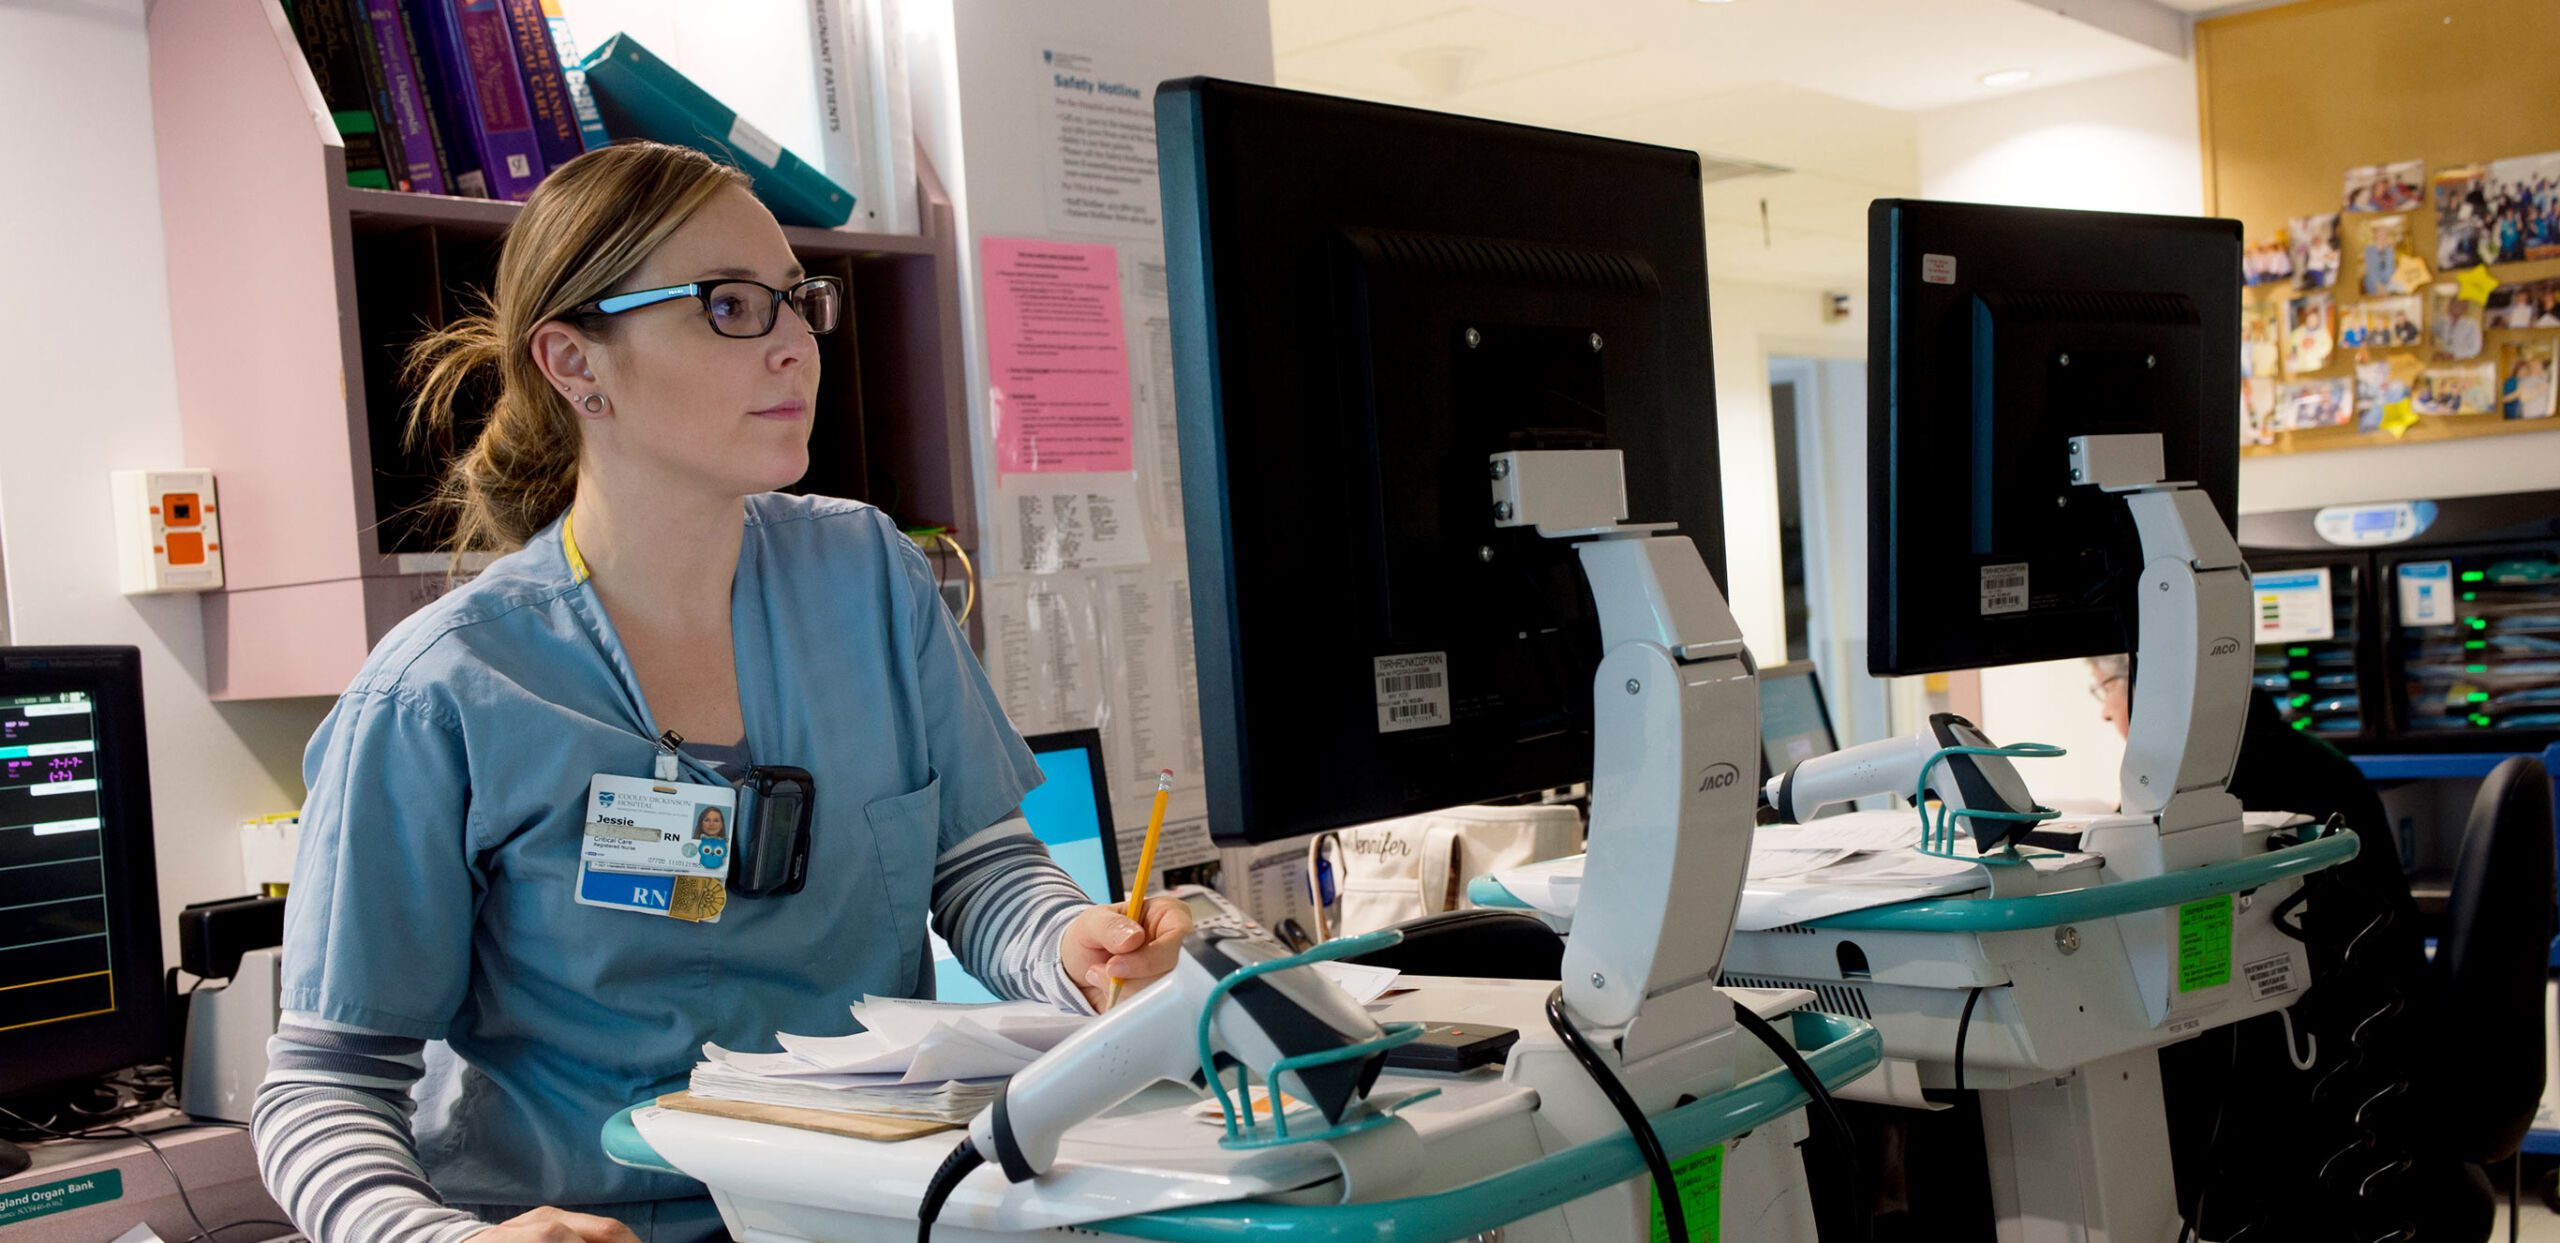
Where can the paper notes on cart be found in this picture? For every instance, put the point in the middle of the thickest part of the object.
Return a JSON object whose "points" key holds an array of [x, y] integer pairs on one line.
{"points": [[921, 1059], [1258, 1106], [1793, 850], [954, 1102], [1365, 983]]}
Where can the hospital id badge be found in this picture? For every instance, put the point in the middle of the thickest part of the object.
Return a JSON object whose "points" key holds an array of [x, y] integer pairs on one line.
{"points": [[658, 847]]}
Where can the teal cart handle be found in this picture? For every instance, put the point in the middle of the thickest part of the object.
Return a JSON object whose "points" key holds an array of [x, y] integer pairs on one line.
{"points": [[2053, 909], [1486, 891], [2102, 901], [1837, 1048], [622, 1143]]}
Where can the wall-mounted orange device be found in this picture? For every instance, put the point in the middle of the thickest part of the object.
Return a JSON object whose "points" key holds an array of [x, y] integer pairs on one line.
{"points": [[168, 531]]}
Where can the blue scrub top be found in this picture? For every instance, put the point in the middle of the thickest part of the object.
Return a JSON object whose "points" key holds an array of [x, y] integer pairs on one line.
{"points": [[440, 841]]}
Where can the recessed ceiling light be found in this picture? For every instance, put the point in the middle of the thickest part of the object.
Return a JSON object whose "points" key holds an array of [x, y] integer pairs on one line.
{"points": [[2007, 77]]}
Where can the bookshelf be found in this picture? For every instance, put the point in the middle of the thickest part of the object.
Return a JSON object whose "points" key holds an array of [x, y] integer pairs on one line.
{"points": [[292, 296]]}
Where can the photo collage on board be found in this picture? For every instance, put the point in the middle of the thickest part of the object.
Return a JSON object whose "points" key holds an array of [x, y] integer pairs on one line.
{"points": [[2392, 309]]}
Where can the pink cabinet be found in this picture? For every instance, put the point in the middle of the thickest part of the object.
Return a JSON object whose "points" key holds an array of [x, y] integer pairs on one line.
{"points": [[293, 295]]}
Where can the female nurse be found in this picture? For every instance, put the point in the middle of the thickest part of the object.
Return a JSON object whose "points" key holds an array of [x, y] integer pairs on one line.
{"points": [[461, 1017]]}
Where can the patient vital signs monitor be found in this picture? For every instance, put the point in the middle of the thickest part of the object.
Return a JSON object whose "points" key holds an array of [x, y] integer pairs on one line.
{"points": [[80, 988]]}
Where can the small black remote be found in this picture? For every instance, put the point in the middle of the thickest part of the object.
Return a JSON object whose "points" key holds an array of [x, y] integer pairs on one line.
{"points": [[1454, 1047]]}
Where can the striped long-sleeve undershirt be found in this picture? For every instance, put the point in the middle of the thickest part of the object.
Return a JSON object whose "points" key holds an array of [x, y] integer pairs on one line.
{"points": [[333, 1137], [1004, 905], [332, 1121]]}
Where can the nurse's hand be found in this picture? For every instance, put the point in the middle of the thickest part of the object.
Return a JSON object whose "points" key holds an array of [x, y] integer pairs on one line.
{"points": [[1102, 944], [552, 1225]]}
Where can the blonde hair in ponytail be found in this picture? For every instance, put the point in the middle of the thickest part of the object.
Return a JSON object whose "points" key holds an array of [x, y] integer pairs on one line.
{"points": [[588, 227]]}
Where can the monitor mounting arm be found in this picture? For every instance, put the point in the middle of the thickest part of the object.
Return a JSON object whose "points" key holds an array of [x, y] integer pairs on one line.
{"points": [[1676, 729], [2191, 662]]}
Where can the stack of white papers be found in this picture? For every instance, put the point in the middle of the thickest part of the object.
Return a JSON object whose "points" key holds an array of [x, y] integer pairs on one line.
{"points": [[1795, 849], [1364, 983], [923, 1059], [1554, 887], [1874, 880], [956, 1102]]}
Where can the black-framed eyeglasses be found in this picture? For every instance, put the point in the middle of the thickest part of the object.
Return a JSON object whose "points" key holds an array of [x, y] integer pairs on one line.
{"points": [[740, 307]]}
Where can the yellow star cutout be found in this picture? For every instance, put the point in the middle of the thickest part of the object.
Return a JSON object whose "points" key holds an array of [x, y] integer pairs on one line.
{"points": [[2411, 275], [2398, 417], [2476, 285]]}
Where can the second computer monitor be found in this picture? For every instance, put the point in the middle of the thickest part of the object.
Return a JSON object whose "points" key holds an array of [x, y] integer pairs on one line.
{"points": [[1795, 723], [1368, 303], [1998, 334], [1070, 811]]}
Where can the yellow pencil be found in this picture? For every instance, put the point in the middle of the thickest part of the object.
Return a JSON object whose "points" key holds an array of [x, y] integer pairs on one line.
{"points": [[1146, 868]]}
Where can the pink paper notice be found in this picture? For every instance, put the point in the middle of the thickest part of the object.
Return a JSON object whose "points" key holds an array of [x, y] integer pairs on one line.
{"points": [[1057, 364]]}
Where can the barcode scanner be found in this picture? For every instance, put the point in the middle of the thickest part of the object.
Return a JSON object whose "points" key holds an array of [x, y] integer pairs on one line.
{"points": [[1157, 1035], [1892, 766]]}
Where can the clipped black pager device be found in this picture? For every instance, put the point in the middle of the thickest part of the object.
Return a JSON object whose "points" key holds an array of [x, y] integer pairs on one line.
{"points": [[772, 858], [1452, 1047]]}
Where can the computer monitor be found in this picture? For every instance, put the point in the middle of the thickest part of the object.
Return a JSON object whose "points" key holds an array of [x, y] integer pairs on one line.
{"points": [[1999, 334], [80, 987], [1071, 811], [1368, 302], [1795, 723]]}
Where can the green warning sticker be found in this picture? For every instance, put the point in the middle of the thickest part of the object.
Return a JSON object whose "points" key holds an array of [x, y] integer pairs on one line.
{"points": [[1700, 1177], [2204, 943], [46, 1199]]}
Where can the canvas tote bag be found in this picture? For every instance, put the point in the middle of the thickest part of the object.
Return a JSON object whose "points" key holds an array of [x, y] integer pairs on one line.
{"points": [[1395, 870]]}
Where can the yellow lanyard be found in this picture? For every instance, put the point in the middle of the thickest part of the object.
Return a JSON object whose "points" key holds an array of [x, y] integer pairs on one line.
{"points": [[569, 545], [666, 769]]}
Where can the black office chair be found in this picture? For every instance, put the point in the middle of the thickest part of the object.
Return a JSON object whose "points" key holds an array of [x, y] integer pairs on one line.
{"points": [[1483, 943], [2485, 1082]]}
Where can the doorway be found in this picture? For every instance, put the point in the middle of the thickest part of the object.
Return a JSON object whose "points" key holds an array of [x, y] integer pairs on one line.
{"points": [[1818, 423]]}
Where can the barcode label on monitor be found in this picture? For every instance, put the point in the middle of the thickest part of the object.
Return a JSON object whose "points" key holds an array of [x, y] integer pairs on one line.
{"points": [[2004, 588], [1413, 691]]}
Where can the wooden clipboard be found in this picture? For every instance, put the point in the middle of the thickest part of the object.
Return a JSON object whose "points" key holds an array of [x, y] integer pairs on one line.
{"points": [[880, 1127]]}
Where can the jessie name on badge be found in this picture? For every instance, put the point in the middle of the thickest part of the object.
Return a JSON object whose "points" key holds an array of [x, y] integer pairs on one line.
{"points": [[657, 847]]}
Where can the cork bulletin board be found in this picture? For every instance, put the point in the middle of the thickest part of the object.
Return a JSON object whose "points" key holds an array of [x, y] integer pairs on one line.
{"points": [[2292, 97]]}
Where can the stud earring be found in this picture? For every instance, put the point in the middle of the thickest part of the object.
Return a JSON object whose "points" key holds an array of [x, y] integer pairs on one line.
{"points": [[593, 403]]}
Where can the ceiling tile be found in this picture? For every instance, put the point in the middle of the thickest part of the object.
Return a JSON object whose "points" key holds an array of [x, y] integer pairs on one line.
{"points": [[1471, 48], [1784, 125], [1300, 24], [1828, 89], [1577, 93], [1900, 54]]}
